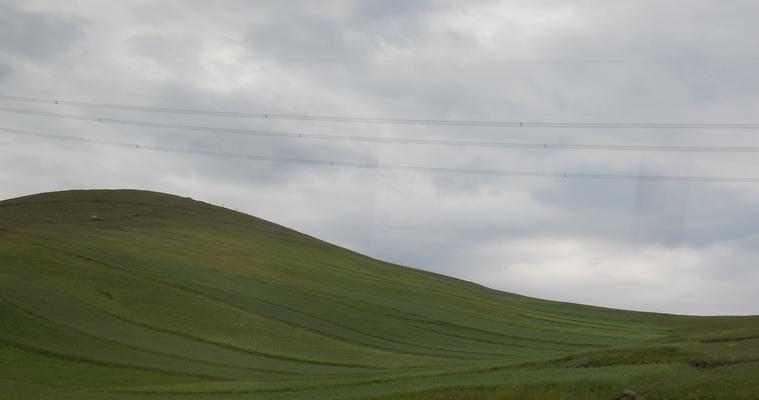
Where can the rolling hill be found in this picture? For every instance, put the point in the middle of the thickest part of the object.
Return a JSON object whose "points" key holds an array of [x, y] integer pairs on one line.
{"points": [[123, 294]]}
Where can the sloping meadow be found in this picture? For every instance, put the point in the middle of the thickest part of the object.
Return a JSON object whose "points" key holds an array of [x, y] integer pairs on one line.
{"points": [[132, 294]]}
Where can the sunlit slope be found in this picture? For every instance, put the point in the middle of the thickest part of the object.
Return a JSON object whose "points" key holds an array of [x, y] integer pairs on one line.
{"points": [[130, 293]]}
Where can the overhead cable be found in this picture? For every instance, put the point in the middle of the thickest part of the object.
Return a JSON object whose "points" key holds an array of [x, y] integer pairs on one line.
{"points": [[397, 121], [395, 167], [392, 140]]}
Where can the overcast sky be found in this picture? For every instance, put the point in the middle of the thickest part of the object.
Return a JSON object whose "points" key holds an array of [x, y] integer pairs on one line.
{"points": [[661, 246]]}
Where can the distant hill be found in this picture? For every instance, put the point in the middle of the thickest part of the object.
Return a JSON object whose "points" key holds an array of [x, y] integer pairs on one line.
{"points": [[124, 294]]}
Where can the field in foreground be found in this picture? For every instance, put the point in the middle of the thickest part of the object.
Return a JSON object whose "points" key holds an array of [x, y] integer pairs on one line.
{"points": [[141, 295]]}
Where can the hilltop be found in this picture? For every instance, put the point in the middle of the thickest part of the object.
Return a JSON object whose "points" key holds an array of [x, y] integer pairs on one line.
{"points": [[125, 294]]}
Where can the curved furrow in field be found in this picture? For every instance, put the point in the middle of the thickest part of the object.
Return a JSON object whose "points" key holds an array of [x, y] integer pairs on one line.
{"points": [[436, 315], [104, 327], [404, 316], [42, 336], [546, 322], [497, 300], [257, 307]]}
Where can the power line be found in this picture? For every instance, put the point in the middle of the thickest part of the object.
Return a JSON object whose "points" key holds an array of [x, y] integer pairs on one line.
{"points": [[375, 139], [501, 60], [395, 167], [397, 121]]}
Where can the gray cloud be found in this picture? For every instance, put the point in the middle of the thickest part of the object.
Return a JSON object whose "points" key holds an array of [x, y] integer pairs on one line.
{"points": [[572, 240], [334, 32], [5, 71], [36, 35]]}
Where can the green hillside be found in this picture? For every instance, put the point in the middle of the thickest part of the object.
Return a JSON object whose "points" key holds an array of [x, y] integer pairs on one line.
{"points": [[141, 295]]}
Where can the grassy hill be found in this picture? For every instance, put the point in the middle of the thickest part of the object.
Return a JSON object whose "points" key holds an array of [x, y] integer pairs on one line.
{"points": [[140, 295]]}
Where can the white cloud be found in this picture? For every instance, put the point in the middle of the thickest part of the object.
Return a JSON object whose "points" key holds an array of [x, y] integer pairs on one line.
{"points": [[709, 280]]}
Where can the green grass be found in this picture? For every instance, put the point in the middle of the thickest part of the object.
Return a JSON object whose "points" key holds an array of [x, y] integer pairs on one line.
{"points": [[163, 297]]}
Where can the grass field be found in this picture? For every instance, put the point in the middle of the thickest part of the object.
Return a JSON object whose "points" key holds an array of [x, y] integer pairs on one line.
{"points": [[141, 295]]}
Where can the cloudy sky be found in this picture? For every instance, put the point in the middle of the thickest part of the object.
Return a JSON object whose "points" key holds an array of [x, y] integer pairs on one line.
{"points": [[685, 247]]}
